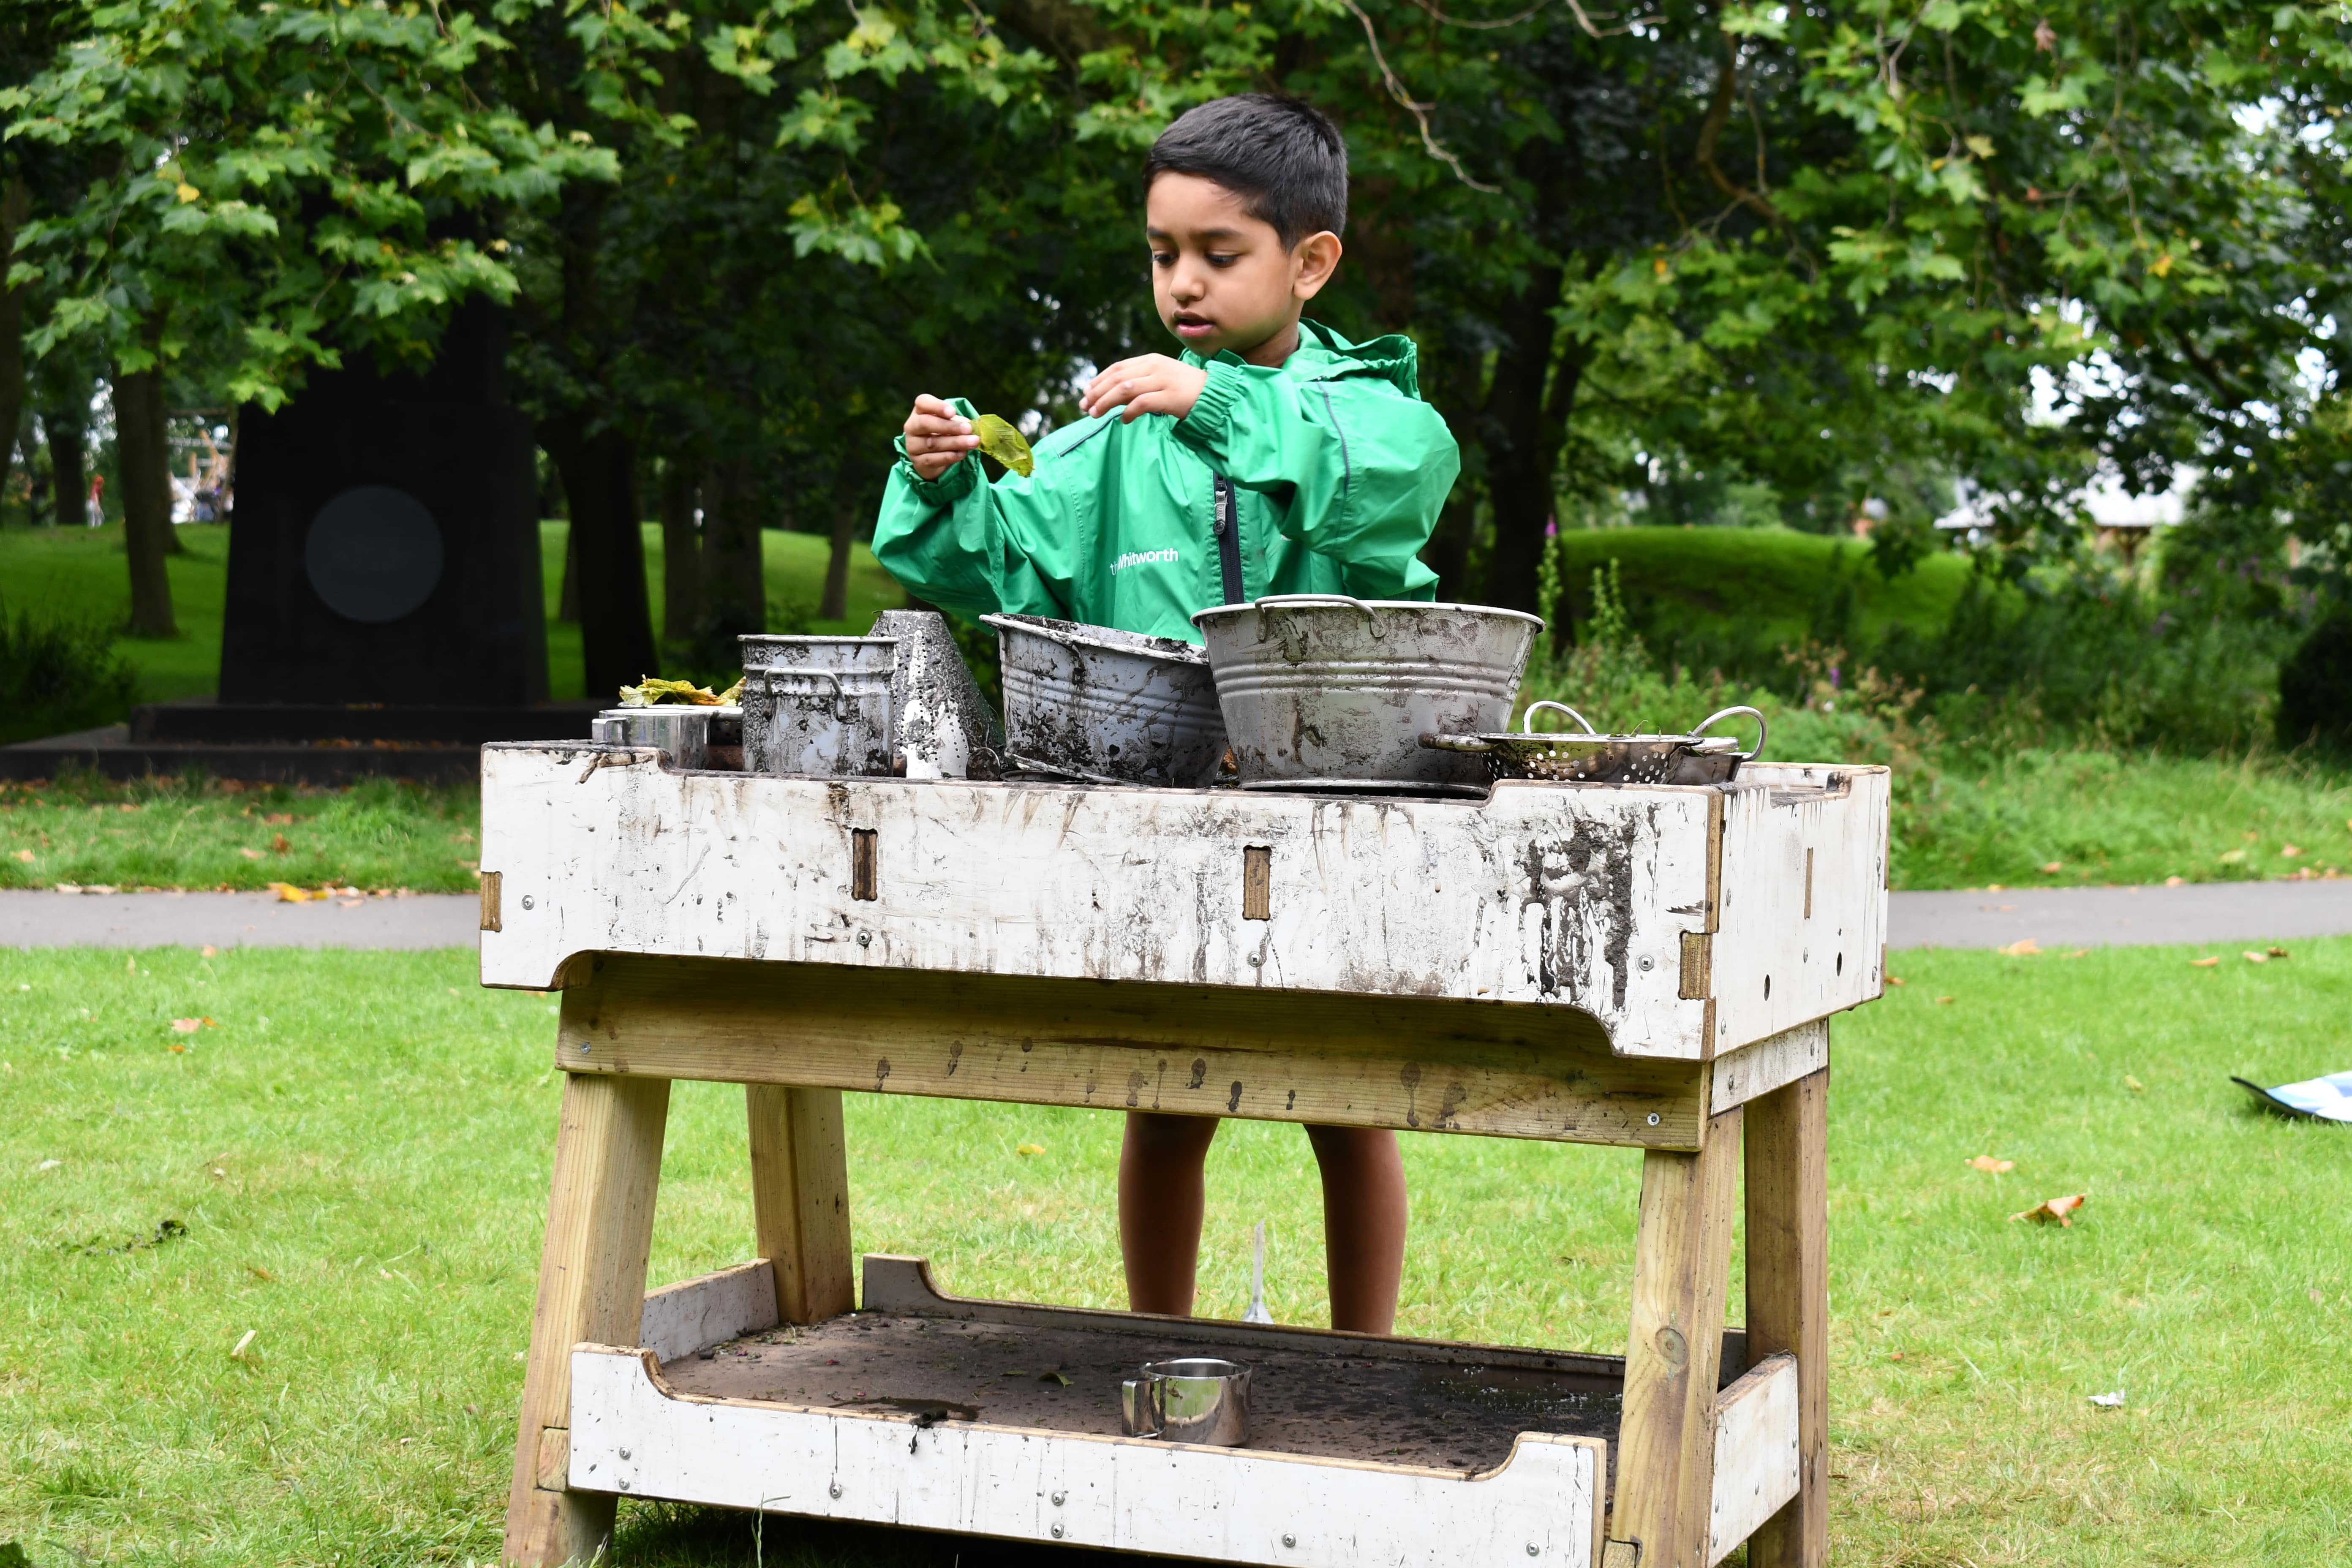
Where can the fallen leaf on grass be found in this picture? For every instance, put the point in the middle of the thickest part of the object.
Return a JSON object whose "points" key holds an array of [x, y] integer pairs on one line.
{"points": [[1895, 980], [2251, 956], [2023, 947], [2133, 1084], [190, 1025], [2275, 953], [250, 854], [208, 950], [2204, 962], [2317, 1299], [242, 1345], [2231, 857], [1987, 1163], [2174, 881], [287, 893], [25, 856], [1030, 1149], [1896, 1356], [2059, 1209], [2290, 849], [2109, 1401], [177, 1049], [2078, 953], [278, 843], [2052, 867], [1941, 1000]]}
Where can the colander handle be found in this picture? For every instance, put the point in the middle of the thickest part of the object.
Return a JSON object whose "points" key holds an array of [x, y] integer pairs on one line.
{"points": [[1703, 725], [1527, 719], [1455, 743]]}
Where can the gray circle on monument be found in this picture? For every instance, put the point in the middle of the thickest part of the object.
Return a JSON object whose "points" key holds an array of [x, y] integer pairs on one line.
{"points": [[373, 553]]}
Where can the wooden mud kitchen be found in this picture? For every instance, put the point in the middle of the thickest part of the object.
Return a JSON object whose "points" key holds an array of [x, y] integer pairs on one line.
{"points": [[1652, 966]]}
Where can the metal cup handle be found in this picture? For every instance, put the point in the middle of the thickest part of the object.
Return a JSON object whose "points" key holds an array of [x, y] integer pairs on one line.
{"points": [[1527, 719], [1138, 1416], [1703, 725]]}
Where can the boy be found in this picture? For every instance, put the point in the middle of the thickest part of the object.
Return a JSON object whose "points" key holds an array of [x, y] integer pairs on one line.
{"points": [[1272, 458]]}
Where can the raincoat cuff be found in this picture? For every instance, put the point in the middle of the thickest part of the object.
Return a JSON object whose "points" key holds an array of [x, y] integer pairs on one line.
{"points": [[948, 488], [1205, 427]]}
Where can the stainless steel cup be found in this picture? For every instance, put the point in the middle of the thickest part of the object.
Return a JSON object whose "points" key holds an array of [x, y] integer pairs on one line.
{"points": [[1196, 1399]]}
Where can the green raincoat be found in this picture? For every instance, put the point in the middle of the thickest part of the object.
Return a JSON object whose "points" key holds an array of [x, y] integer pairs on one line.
{"points": [[1338, 471]]}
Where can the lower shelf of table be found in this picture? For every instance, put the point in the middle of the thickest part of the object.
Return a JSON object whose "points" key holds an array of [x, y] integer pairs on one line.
{"points": [[1002, 1419]]}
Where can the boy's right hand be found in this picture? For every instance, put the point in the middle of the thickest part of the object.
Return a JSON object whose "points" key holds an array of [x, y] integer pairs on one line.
{"points": [[937, 438]]}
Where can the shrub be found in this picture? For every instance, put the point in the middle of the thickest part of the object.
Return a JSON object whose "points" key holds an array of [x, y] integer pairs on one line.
{"points": [[57, 676], [2315, 689]]}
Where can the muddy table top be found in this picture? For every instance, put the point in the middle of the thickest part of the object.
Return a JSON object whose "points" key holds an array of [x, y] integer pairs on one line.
{"points": [[1460, 1416]]}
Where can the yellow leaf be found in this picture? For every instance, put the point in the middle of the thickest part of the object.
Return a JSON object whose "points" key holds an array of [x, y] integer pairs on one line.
{"points": [[1030, 1149], [1980, 145], [186, 192], [2162, 264], [1003, 443]]}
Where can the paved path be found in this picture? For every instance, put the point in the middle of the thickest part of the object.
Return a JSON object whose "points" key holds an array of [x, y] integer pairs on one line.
{"points": [[2053, 917], [236, 919]]}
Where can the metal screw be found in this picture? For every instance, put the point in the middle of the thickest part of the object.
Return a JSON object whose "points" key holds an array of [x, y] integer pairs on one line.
{"points": [[526, 901], [1256, 961], [1058, 1498], [583, 1048], [625, 1453], [1057, 1532], [1648, 963], [833, 1490], [1290, 1540], [1654, 1118], [866, 939], [625, 1483], [1532, 1550]]}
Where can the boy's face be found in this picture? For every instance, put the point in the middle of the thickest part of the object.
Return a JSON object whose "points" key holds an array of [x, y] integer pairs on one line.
{"points": [[1222, 278]]}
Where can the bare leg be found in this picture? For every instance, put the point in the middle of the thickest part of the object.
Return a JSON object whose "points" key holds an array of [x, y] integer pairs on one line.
{"points": [[1364, 1211], [1159, 1208]]}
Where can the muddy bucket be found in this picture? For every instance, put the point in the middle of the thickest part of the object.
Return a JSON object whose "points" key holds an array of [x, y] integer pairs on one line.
{"points": [[1325, 692], [817, 706], [1113, 707]]}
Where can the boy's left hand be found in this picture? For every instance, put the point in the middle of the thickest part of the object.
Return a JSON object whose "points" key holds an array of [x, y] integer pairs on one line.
{"points": [[1148, 383]]}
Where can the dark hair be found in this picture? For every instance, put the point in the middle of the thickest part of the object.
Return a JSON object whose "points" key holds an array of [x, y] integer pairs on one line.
{"points": [[1282, 157]]}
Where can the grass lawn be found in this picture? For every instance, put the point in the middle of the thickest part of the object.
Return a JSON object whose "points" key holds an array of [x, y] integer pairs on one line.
{"points": [[355, 1154], [75, 572]]}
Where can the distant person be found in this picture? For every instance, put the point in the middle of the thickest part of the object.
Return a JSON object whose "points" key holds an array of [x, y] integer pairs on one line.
{"points": [[1332, 470], [94, 508]]}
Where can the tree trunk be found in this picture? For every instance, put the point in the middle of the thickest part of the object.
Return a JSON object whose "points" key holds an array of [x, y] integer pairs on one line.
{"points": [[681, 552], [567, 597], [68, 483], [143, 459], [1522, 433], [1450, 375], [16, 203], [835, 604], [600, 490], [734, 585]]}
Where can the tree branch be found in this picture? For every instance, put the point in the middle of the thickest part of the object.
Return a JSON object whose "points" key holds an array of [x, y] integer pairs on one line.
{"points": [[1420, 112]]}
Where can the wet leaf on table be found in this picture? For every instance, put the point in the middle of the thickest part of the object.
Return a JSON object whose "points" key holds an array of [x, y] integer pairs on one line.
{"points": [[1053, 1377], [1001, 441], [651, 692], [2059, 1209]]}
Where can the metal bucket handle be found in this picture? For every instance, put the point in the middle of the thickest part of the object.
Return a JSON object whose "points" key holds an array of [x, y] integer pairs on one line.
{"points": [[840, 697], [1286, 601], [1527, 719], [1703, 725]]}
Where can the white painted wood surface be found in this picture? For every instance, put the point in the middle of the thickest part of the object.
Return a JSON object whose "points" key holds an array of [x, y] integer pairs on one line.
{"points": [[631, 1435], [1755, 1071], [1803, 930], [1754, 1453], [1574, 897], [681, 1319]]}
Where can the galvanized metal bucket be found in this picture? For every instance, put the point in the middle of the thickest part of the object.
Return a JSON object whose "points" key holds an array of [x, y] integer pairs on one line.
{"points": [[1321, 691], [1114, 706], [817, 706]]}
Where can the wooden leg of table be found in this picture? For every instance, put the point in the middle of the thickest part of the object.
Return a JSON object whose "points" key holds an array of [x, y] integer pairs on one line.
{"points": [[1788, 1298], [591, 1285], [1682, 1264], [800, 1199]]}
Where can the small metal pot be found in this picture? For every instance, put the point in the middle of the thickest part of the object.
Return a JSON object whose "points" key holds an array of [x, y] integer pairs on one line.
{"points": [[684, 734], [1113, 707], [817, 706], [1197, 1399], [1321, 691], [1568, 757]]}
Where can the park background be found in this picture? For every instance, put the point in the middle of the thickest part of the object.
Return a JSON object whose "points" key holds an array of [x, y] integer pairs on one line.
{"points": [[1729, 306]]}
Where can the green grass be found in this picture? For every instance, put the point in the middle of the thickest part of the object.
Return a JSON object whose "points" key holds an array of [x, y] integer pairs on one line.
{"points": [[203, 833], [358, 1150], [74, 572], [1770, 580]]}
